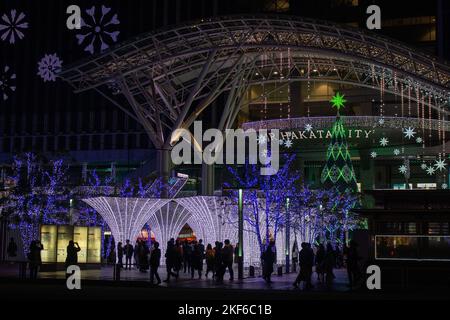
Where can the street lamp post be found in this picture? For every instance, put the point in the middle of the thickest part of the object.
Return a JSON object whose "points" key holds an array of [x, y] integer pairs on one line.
{"points": [[288, 237], [241, 236]]}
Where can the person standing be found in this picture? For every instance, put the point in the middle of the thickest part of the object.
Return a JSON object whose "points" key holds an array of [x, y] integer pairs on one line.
{"points": [[120, 254], [12, 249], [228, 258], [155, 258], [187, 255], [268, 258], [219, 265], [34, 257], [209, 260], [320, 257], [72, 253], [128, 251], [329, 262], [352, 263], [136, 254]]}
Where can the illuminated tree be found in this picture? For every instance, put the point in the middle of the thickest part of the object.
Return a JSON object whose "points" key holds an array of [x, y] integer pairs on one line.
{"points": [[338, 171], [264, 199]]}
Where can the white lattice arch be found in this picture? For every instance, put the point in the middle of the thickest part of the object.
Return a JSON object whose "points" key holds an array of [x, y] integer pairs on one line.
{"points": [[125, 216]]}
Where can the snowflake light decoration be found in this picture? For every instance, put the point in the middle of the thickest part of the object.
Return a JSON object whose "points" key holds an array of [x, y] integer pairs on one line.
{"points": [[419, 140], [338, 101], [12, 25], [373, 154], [263, 153], [281, 142], [381, 121], [409, 132], [7, 83], [384, 142], [444, 186], [48, 66], [288, 143], [403, 169], [98, 32], [396, 152], [262, 139], [431, 170], [423, 166], [440, 164], [308, 127]]}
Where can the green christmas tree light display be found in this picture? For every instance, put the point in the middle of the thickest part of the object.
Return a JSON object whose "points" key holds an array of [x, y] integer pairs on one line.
{"points": [[338, 171]]}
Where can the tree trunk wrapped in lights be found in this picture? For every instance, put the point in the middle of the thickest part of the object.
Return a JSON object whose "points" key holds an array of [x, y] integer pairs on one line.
{"points": [[338, 171]]}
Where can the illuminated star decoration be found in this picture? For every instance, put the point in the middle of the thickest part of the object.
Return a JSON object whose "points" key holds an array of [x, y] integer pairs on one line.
{"points": [[10, 26], [440, 164], [99, 32], [308, 127], [431, 170], [381, 121], [396, 152], [409, 132], [288, 143], [338, 101], [419, 140], [384, 142], [373, 154], [48, 66], [263, 153], [403, 169], [7, 83], [423, 166]]}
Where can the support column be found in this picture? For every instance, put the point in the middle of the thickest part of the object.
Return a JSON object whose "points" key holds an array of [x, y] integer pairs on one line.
{"points": [[366, 170], [164, 164], [207, 179]]}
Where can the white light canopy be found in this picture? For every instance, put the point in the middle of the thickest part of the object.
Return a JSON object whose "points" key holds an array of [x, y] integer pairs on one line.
{"points": [[126, 216]]}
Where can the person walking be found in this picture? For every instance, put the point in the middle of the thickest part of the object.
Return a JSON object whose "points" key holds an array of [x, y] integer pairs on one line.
{"points": [[155, 258], [120, 254], [209, 261], [227, 254], [12, 249], [306, 261], [143, 257], [72, 253], [268, 258], [170, 260], [128, 251], [34, 258], [197, 260]]}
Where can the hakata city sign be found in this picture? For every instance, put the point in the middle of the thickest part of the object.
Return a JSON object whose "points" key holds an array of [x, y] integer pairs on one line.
{"points": [[322, 134]]}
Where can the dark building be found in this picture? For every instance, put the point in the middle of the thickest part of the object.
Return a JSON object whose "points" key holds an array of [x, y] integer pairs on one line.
{"points": [[87, 129]]}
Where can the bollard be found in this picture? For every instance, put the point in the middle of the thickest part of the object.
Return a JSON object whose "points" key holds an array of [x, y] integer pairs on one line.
{"points": [[251, 271], [116, 274]]}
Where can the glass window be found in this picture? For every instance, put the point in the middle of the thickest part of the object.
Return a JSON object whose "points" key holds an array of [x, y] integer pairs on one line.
{"points": [[412, 248]]}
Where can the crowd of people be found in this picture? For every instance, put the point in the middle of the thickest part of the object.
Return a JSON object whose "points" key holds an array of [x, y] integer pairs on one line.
{"points": [[191, 257]]}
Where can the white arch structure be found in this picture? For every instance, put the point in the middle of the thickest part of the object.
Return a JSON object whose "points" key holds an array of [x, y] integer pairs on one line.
{"points": [[125, 216], [204, 214]]}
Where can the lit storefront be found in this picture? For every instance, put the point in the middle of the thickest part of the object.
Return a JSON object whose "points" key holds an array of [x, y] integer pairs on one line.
{"points": [[55, 239]]}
